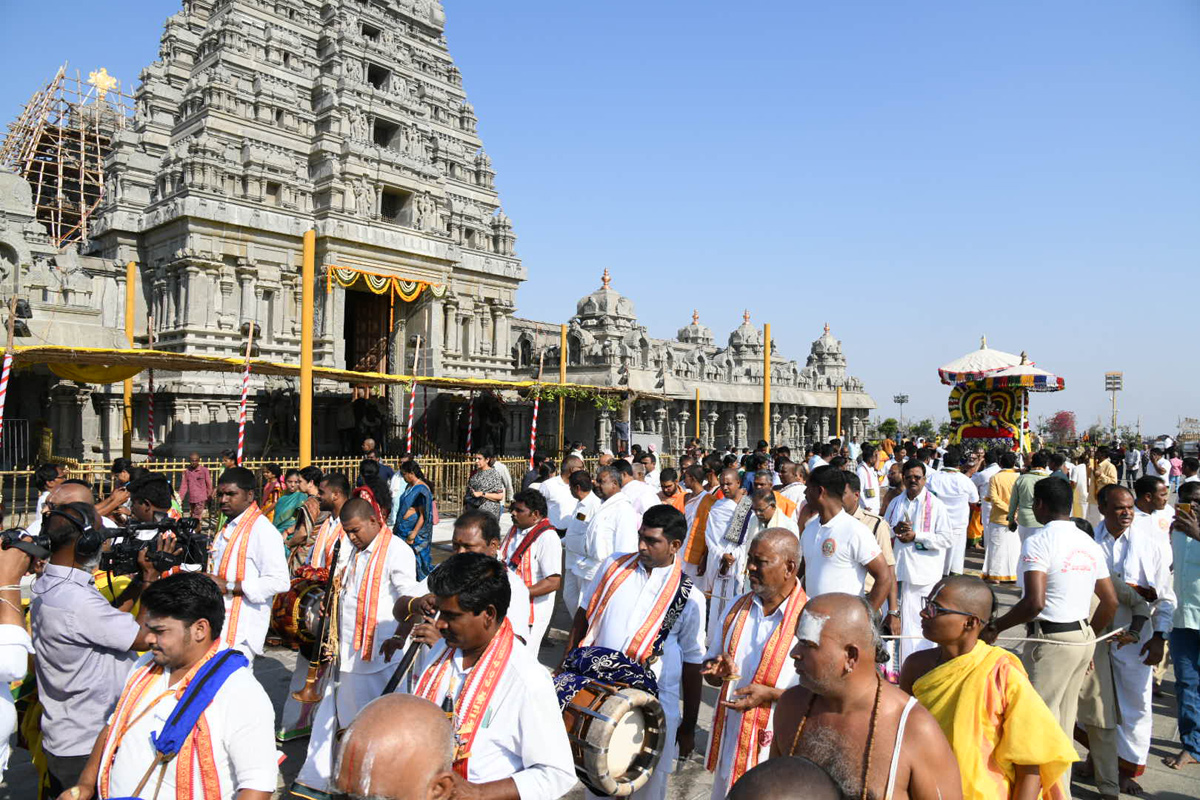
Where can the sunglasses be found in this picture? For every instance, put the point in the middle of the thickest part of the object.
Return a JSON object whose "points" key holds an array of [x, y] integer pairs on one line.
{"points": [[934, 610]]}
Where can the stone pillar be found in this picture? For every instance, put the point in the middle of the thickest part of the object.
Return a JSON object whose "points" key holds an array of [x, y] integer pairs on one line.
{"points": [[824, 428], [433, 325], [775, 417], [685, 430], [604, 430], [710, 430], [497, 327], [248, 310], [803, 442], [450, 327], [660, 420]]}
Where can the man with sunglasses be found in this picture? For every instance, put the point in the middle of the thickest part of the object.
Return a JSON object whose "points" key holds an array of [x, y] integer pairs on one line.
{"points": [[1005, 739]]}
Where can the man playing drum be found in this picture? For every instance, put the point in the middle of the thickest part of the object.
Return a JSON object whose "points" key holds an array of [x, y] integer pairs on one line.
{"points": [[370, 574], [749, 658], [510, 741], [643, 605]]}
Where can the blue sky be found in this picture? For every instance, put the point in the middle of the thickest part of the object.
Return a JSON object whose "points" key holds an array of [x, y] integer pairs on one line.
{"points": [[916, 174]]}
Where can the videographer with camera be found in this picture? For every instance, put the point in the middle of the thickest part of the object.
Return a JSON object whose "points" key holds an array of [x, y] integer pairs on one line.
{"points": [[247, 563], [15, 645], [84, 646]]}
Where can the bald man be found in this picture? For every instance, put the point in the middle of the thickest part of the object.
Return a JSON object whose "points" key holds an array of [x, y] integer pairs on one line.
{"points": [[1007, 742], [399, 747], [748, 657], [785, 779], [858, 727]]}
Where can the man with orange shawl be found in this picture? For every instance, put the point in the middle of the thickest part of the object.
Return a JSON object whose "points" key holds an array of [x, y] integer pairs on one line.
{"points": [[1007, 742]]}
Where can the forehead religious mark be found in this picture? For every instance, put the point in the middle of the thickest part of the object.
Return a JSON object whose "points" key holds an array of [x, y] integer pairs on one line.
{"points": [[811, 626]]}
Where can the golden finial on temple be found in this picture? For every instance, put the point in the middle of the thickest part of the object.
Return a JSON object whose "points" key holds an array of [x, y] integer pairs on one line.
{"points": [[605, 279], [103, 82], [746, 316], [695, 316]]}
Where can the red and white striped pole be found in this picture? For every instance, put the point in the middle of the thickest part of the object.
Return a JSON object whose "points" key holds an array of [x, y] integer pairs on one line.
{"points": [[470, 424], [150, 396], [245, 391], [412, 401], [6, 370], [533, 430], [4, 373]]}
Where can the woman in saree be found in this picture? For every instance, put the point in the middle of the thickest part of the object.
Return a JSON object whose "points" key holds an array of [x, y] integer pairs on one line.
{"points": [[485, 487], [273, 488], [412, 516], [308, 518], [285, 508]]}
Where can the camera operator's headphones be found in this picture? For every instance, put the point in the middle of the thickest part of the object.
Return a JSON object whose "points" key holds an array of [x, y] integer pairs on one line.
{"points": [[89, 541]]}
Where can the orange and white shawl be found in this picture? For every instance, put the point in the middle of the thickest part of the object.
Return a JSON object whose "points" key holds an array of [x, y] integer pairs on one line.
{"points": [[695, 549], [373, 578], [474, 695], [195, 758], [756, 723], [641, 646], [327, 536], [239, 544]]}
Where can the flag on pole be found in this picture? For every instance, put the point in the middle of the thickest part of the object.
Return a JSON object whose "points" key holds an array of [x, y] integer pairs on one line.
{"points": [[4, 374], [471, 424], [533, 430], [241, 448]]}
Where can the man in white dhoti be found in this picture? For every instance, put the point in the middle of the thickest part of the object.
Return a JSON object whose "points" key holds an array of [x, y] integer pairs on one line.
{"points": [[580, 557], [749, 659], [510, 741], [923, 536], [869, 495], [1135, 556], [1002, 544], [644, 606], [957, 492], [372, 572], [712, 522], [729, 582]]}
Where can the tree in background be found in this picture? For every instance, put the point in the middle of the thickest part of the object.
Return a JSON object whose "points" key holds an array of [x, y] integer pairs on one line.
{"points": [[1061, 426], [924, 428], [889, 428]]}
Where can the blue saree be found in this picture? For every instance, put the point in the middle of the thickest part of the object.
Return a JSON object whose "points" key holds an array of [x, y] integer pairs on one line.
{"points": [[418, 499]]}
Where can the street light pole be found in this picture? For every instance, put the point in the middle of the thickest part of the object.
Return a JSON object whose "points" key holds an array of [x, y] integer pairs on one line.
{"points": [[1113, 383], [900, 400]]}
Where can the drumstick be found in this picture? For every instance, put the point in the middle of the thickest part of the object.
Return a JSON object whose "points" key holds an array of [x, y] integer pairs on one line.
{"points": [[410, 655]]}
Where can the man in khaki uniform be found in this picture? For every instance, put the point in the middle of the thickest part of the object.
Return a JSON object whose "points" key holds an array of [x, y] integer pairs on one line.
{"points": [[1104, 473]]}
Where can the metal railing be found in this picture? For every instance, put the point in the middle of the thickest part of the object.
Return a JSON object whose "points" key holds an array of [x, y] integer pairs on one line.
{"points": [[448, 477]]}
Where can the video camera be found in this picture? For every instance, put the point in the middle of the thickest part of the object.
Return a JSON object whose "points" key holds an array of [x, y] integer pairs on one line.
{"points": [[121, 556], [34, 546]]}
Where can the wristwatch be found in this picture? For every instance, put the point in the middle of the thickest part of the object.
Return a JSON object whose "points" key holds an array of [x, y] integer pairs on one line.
{"points": [[895, 613]]}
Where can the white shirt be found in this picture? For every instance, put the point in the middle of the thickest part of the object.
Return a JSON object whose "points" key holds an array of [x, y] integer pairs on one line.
{"points": [[957, 492], [15, 647], [1136, 558], [518, 602], [1072, 561], [1160, 468], [836, 555], [522, 735], [642, 496], [241, 724], [981, 480], [611, 528], [1079, 477], [559, 501], [578, 558], [868, 496], [399, 580], [816, 461], [921, 561], [629, 608], [546, 555], [266, 576], [652, 479], [755, 635]]}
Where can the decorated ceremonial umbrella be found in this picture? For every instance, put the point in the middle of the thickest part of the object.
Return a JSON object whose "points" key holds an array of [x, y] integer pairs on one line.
{"points": [[977, 364], [1025, 378]]}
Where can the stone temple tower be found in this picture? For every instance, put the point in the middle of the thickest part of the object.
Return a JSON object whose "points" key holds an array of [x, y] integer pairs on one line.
{"points": [[261, 120]]}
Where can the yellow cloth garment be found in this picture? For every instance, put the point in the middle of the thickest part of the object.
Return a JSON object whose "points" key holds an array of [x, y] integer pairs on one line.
{"points": [[994, 720]]}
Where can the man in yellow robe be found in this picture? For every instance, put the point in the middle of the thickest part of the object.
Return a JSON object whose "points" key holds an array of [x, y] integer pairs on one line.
{"points": [[1007, 742]]}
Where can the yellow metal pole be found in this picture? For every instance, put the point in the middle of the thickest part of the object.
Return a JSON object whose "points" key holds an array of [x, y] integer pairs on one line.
{"points": [[127, 414], [308, 278], [697, 412], [562, 378], [766, 426], [839, 412]]}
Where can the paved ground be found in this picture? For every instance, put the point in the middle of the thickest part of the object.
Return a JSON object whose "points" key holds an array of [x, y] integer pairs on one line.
{"points": [[691, 781]]}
